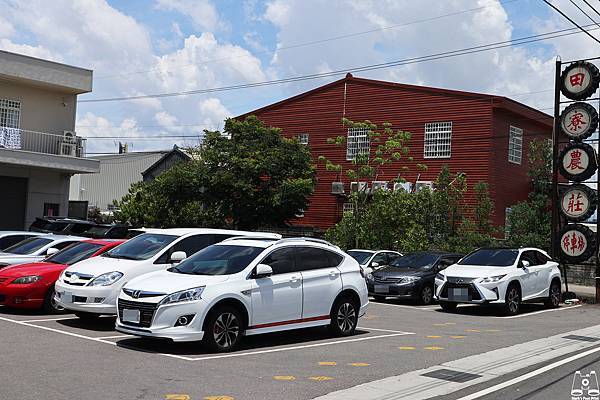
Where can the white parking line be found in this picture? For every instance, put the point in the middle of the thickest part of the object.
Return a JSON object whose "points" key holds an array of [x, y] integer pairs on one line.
{"points": [[541, 311], [417, 308], [383, 330], [305, 346], [48, 319], [116, 337]]}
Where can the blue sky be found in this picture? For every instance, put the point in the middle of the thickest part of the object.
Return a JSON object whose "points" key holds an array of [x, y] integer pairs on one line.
{"points": [[140, 47]]}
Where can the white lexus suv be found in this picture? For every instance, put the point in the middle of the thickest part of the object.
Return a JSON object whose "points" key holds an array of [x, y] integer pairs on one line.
{"points": [[90, 288], [246, 287], [503, 276]]}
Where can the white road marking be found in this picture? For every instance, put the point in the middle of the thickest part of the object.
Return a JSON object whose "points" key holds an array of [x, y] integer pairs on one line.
{"points": [[529, 375], [115, 337], [383, 330], [417, 308], [48, 319], [305, 346], [541, 311]]}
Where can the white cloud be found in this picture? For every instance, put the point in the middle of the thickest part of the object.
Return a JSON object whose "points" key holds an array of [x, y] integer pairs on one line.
{"points": [[168, 121], [6, 28], [32, 51], [213, 113], [202, 12], [278, 12]]}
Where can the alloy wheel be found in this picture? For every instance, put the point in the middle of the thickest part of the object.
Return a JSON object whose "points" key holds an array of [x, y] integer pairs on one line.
{"points": [[426, 295], [346, 317], [55, 305], [226, 330], [513, 300], [555, 295]]}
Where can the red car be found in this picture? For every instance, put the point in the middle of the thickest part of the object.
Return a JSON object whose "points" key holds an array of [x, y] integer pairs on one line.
{"points": [[32, 285]]}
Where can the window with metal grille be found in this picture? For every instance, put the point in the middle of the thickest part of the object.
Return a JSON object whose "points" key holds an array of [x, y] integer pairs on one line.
{"points": [[303, 138], [358, 142], [10, 113], [348, 208], [515, 145], [438, 140]]}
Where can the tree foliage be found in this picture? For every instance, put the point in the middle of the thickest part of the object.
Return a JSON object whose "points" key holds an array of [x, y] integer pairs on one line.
{"points": [[246, 177]]}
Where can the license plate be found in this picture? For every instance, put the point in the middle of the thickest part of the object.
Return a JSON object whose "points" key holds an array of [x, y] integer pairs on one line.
{"points": [[131, 316], [66, 297], [382, 289], [458, 294]]}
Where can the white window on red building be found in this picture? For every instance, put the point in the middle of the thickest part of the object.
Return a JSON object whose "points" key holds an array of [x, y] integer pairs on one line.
{"points": [[10, 113], [357, 143], [438, 140], [515, 145], [348, 208], [303, 138]]}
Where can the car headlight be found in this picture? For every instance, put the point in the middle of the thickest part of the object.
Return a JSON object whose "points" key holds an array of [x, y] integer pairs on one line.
{"points": [[370, 277], [106, 279], [491, 279], [184, 295], [24, 280], [440, 276], [410, 279]]}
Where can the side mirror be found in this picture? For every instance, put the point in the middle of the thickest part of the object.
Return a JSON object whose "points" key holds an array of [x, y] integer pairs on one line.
{"points": [[52, 250], [525, 264], [374, 264], [263, 271], [178, 257]]}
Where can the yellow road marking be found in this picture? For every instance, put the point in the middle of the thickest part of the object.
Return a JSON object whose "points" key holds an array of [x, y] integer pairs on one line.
{"points": [[327, 363], [218, 398], [433, 337], [359, 364], [492, 330], [473, 330], [320, 378], [178, 397], [433, 348], [284, 378], [450, 323], [407, 348], [371, 316], [457, 337], [439, 324]]}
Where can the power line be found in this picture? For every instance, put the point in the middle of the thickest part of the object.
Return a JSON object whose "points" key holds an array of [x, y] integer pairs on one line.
{"points": [[570, 20], [407, 61], [590, 6], [333, 38], [583, 12]]}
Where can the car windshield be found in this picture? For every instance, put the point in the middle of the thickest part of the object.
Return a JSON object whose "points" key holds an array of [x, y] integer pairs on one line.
{"points": [[55, 226], [491, 257], [28, 246], [415, 261], [141, 247], [97, 231], [74, 253], [360, 256], [218, 260]]}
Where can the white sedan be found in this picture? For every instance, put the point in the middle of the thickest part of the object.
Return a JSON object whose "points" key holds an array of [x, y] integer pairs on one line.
{"points": [[370, 260], [35, 249], [503, 276]]}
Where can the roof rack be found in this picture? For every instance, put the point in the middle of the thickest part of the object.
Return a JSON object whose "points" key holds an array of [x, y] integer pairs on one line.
{"points": [[309, 239], [265, 238]]}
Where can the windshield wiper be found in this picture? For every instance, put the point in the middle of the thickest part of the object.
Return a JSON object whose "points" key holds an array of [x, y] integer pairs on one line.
{"points": [[121, 256]]}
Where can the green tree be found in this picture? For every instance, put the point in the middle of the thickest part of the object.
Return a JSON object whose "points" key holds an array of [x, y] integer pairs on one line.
{"points": [[246, 177]]}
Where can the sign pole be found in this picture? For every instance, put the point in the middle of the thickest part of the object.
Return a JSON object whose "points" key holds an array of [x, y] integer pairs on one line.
{"points": [[555, 147]]}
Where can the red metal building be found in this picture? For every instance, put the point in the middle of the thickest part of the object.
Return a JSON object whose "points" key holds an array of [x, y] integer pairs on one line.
{"points": [[483, 136]]}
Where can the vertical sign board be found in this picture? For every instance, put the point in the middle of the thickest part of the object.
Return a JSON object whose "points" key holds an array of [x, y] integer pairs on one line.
{"points": [[576, 162]]}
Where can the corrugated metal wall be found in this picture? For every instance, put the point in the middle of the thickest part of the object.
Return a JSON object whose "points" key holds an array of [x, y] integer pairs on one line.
{"points": [[117, 173]]}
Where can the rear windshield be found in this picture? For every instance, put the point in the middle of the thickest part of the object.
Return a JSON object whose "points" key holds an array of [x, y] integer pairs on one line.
{"points": [[360, 256], [415, 260], [491, 257], [55, 226], [28, 246], [141, 247], [97, 231], [218, 260], [74, 253]]}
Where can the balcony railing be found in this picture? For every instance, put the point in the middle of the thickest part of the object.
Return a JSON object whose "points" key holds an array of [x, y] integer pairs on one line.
{"points": [[62, 144]]}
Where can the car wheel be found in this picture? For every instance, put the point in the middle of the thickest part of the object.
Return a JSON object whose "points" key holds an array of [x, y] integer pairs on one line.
{"points": [[448, 306], [512, 300], [344, 317], [51, 306], [223, 329], [87, 316], [554, 295], [426, 295], [379, 298]]}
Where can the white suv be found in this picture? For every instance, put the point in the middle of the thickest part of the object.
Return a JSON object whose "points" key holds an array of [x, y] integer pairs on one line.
{"points": [[501, 276], [246, 287], [91, 287]]}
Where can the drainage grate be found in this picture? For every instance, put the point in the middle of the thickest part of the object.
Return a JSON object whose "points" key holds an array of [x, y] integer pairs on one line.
{"points": [[582, 338], [452, 376]]}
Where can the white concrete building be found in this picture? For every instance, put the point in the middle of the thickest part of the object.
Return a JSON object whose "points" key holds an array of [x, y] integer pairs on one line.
{"points": [[39, 149]]}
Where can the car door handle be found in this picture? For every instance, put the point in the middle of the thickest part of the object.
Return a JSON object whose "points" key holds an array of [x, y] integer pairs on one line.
{"points": [[294, 279], [333, 274]]}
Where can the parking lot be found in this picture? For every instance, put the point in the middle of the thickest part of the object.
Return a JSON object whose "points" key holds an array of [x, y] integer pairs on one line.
{"points": [[58, 357]]}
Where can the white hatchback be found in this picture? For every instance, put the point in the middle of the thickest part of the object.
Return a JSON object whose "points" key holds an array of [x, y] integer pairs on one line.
{"points": [[246, 287], [90, 288], [503, 276]]}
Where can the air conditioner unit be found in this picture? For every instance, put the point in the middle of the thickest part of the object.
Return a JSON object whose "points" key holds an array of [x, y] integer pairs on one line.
{"points": [[420, 185], [379, 185], [362, 187], [337, 187], [406, 186], [68, 144]]}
